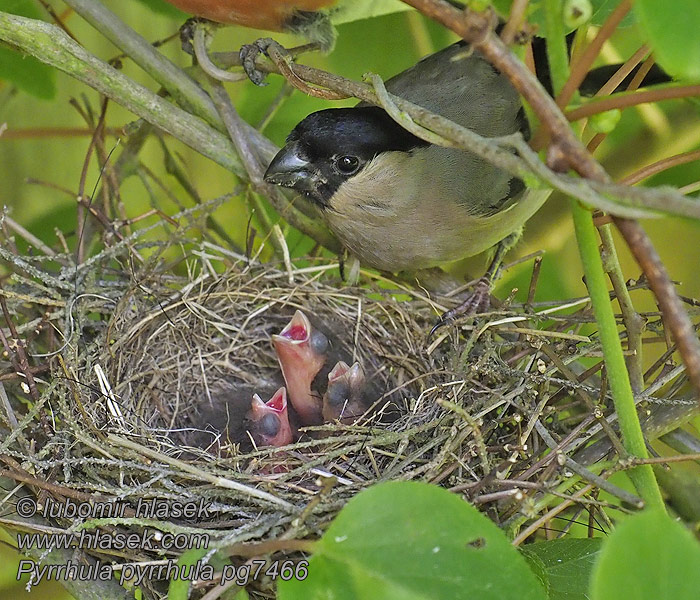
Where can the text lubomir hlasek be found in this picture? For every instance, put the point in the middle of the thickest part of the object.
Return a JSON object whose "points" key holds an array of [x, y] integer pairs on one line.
{"points": [[145, 509]]}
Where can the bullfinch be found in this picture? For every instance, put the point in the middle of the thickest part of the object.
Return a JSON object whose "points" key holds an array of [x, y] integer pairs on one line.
{"points": [[302, 350], [308, 18], [238, 414], [346, 396], [397, 202], [311, 19]]}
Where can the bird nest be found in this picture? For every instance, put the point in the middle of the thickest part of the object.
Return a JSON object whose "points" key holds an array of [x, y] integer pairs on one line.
{"points": [[118, 356]]}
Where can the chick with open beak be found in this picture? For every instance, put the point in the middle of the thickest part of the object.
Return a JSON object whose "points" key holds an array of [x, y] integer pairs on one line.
{"points": [[302, 351], [269, 421], [237, 414]]}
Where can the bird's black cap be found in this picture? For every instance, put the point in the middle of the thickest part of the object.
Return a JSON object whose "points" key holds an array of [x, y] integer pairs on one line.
{"points": [[312, 160], [363, 131]]}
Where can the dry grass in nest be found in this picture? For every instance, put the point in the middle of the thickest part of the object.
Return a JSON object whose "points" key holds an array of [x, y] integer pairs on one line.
{"points": [[134, 353]]}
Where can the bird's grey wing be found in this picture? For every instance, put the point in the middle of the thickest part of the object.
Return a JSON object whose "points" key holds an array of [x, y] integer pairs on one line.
{"points": [[459, 84]]}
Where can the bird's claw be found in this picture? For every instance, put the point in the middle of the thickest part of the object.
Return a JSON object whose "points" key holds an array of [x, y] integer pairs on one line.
{"points": [[441, 322], [478, 301], [249, 54], [187, 33]]}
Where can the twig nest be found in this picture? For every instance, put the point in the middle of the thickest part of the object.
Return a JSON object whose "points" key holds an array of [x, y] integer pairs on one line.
{"points": [[144, 357], [171, 356]]}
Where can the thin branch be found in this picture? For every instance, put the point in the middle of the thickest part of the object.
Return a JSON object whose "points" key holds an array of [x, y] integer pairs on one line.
{"points": [[51, 45], [16, 352], [179, 85], [661, 165], [516, 20], [586, 474], [567, 151], [583, 65], [31, 133], [627, 99]]}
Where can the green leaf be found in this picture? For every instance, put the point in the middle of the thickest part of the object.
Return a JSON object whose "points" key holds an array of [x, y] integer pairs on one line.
{"points": [[26, 72], [648, 557], [605, 122], [673, 33], [413, 541], [23, 8], [600, 11], [566, 564], [179, 589]]}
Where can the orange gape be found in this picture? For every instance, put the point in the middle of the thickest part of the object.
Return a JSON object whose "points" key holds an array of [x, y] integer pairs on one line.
{"points": [[273, 15]]}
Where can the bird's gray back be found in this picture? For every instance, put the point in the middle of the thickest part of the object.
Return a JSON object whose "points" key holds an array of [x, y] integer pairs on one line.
{"points": [[459, 84]]}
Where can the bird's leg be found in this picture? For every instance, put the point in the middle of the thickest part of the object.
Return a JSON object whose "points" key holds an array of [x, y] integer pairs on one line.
{"points": [[283, 59], [313, 25], [480, 299]]}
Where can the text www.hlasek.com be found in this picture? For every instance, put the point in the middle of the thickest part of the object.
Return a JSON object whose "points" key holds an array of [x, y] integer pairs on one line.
{"points": [[98, 540]]}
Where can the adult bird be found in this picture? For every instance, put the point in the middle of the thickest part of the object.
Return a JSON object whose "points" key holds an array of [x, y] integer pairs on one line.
{"points": [[398, 203], [313, 20]]}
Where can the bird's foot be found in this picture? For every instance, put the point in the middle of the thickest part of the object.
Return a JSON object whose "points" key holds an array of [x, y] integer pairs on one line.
{"points": [[187, 33], [249, 54], [478, 301], [283, 59]]}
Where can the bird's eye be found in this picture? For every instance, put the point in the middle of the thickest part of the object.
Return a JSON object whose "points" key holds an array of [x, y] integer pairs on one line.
{"points": [[347, 165]]}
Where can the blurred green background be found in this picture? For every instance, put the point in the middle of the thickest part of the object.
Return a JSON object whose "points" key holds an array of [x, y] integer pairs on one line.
{"points": [[46, 140]]}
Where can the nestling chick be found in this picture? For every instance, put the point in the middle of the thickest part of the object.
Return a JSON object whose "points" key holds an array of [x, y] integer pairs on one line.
{"points": [[302, 350], [236, 414], [346, 397], [270, 420]]}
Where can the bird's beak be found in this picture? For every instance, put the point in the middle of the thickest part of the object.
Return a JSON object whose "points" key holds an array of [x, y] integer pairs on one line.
{"points": [[343, 398], [270, 419], [300, 362], [354, 375], [290, 169]]}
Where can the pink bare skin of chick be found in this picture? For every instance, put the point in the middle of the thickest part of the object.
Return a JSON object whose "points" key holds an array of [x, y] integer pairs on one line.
{"points": [[270, 420], [345, 399], [302, 350], [236, 414]]}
